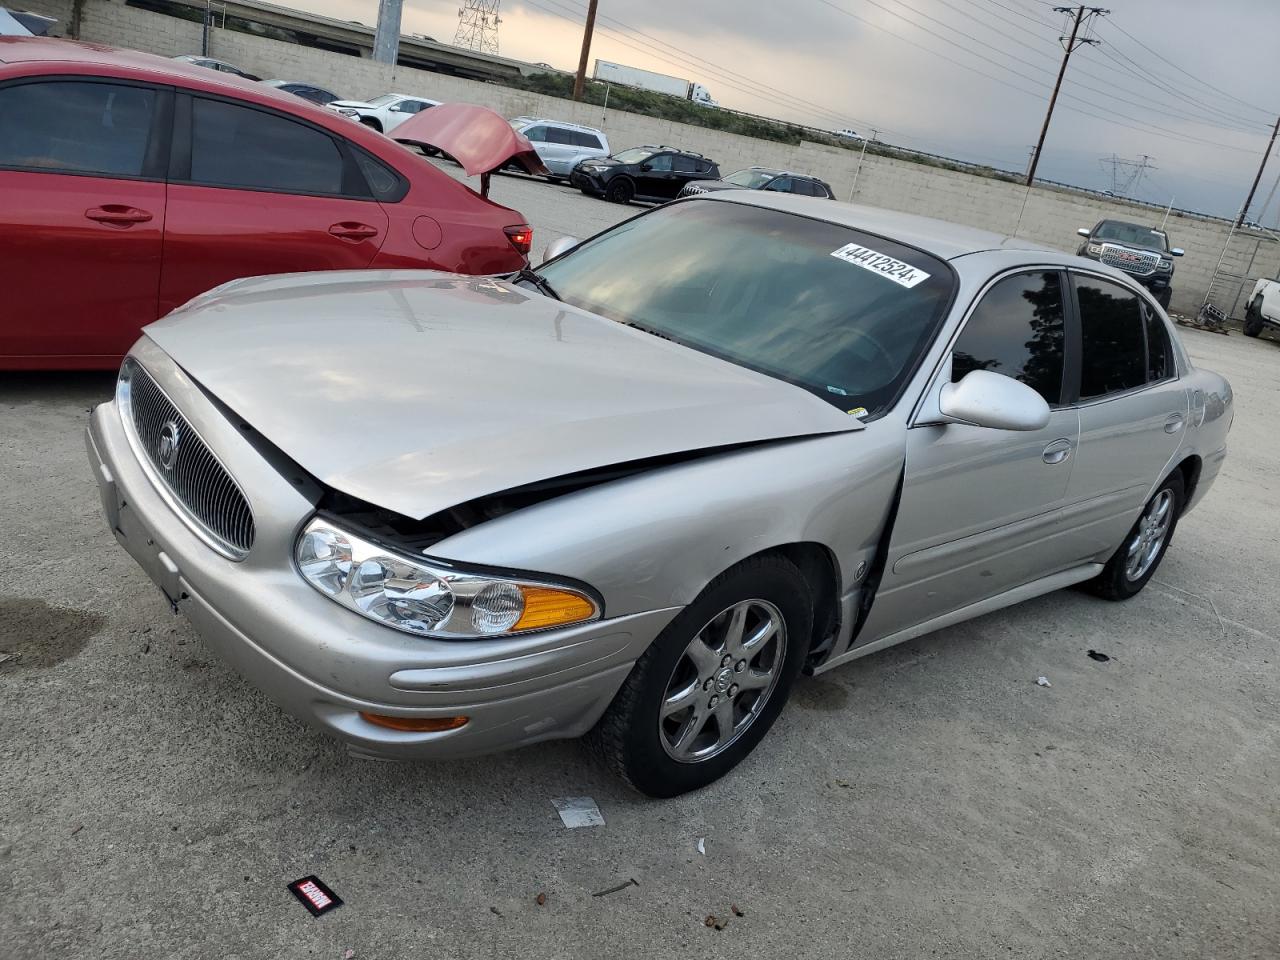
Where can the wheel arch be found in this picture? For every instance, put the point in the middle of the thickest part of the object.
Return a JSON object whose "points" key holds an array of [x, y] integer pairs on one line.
{"points": [[1190, 468], [373, 122], [821, 570]]}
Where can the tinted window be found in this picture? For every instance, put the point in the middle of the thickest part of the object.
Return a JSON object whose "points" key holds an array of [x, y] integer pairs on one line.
{"points": [[1160, 363], [583, 139], [660, 164], [233, 146], [820, 189], [383, 182], [798, 299], [780, 185], [705, 166], [1112, 338], [802, 188], [683, 164], [412, 106], [559, 135], [1017, 330], [73, 126], [536, 134]]}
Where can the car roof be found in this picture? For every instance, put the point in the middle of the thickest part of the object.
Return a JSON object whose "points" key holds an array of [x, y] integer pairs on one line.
{"points": [[558, 123], [938, 237]]}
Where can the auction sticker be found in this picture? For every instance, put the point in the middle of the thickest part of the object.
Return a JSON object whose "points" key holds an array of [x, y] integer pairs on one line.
{"points": [[314, 895], [903, 274]]}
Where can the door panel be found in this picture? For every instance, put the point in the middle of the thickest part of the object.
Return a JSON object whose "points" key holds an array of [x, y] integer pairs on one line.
{"points": [[260, 193], [82, 209], [214, 234], [980, 514]]}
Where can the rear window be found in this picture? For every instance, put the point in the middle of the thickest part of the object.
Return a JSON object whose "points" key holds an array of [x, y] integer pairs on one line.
{"points": [[840, 313], [234, 146], [69, 126], [583, 139]]}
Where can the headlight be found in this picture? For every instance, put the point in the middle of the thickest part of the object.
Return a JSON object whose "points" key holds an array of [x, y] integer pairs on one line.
{"points": [[347, 112], [430, 598], [1095, 249], [1165, 266]]}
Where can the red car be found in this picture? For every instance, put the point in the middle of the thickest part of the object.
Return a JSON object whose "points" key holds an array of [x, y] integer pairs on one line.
{"points": [[130, 183]]}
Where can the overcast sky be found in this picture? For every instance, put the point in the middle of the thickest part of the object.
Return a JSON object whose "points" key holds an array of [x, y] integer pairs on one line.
{"points": [[895, 66]]}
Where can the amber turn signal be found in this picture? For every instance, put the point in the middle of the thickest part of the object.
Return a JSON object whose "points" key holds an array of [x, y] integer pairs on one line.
{"points": [[547, 607], [416, 724]]}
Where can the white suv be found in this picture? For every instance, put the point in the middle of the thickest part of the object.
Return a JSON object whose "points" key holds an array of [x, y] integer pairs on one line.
{"points": [[562, 145], [383, 113]]}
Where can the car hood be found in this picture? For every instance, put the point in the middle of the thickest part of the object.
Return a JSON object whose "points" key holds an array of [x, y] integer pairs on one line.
{"points": [[417, 391], [357, 104], [477, 137]]}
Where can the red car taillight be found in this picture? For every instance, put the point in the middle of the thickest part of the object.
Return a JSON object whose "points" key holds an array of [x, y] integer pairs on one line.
{"points": [[521, 238]]}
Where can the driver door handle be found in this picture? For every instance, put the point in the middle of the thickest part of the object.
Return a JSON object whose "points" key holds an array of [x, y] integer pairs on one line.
{"points": [[351, 230], [1058, 452], [117, 214]]}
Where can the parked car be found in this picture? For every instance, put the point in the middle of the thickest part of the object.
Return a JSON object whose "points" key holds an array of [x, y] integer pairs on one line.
{"points": [[209, 63], [762, 178], [130, 183], [562, 146], [638, 491], [1141, 252], [307, 91], [383, 113], [642, 173], [1263, 310]]}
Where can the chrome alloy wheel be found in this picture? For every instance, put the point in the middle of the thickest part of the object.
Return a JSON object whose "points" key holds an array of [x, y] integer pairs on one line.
{"points": [[722, 681], [1153, 530]]}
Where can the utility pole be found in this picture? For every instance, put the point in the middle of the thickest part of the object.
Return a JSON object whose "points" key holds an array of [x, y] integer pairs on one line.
{"points": [[386, 38], [1256, 180], [581, 79], [1083, 15]]}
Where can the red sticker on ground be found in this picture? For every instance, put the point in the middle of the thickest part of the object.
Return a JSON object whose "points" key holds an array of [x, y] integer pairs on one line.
{"points": [[314, 895]]}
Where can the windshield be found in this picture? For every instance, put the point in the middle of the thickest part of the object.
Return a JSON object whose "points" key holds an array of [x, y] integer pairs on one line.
{"points": [[843, 314], [385, 98], [634, 155], [1131, 234], [751, 179]]}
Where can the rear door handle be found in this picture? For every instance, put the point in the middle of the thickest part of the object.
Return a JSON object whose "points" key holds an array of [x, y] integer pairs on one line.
{"points": [[1174, 423], [349, 230], [117, 214], [1058, 451]]}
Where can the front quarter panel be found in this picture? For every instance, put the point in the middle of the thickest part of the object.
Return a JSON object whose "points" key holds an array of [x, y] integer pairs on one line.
{"points": [[656, 539]]}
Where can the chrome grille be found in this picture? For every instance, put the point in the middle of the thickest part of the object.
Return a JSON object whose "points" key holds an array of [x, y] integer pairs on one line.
{"points": [[1138, 262], [199, 488], [690, 190]]}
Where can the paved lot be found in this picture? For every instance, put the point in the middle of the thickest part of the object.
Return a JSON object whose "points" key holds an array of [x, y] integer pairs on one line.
{"points": [[928, 801]]}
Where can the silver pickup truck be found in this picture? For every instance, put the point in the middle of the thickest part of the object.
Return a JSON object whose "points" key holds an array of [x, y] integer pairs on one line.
{"points": [[1263, 309]]}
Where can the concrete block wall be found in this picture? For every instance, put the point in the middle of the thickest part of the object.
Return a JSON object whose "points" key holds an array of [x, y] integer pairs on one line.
{"points": [[1051, 214]]}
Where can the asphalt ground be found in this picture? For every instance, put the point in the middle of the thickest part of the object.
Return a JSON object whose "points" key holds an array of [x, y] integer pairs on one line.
{"points": [[929, 801]]}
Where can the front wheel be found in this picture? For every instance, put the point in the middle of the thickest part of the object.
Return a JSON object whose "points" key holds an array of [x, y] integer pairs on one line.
{"points": [[711, 685], [1139, 556], [1163, 298], [621, 190], [1253, 319]]}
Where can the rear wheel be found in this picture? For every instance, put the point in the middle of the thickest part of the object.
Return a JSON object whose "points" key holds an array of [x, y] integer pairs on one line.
{"points": [[1139, 556], [621, 190], [1253, 319], [711, 685]]}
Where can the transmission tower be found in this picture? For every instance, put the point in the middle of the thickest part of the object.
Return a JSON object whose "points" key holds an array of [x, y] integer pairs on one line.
{"points": [[478, 25], [1126, 175]]}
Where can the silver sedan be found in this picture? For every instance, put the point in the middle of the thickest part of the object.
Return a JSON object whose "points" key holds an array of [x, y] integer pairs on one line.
{"points": [[635, 493]]}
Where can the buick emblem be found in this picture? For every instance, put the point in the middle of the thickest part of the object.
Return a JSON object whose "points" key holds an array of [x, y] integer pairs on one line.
{"points": [[169, 439]]}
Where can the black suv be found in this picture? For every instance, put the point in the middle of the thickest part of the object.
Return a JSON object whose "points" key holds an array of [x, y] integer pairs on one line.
{"points": [[762, 178], [642, 173], [1142, 252]]}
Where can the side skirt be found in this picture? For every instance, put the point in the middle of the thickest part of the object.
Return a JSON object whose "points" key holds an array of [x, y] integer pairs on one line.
{"points": [[1027, 591]]}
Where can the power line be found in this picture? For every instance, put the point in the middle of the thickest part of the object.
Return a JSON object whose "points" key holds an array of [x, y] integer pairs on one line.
{"points": [[1186, 73]]}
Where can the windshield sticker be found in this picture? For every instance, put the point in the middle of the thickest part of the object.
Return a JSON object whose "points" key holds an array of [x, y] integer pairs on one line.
{"points": [[903, 274], [837, 391], [858, 412]]}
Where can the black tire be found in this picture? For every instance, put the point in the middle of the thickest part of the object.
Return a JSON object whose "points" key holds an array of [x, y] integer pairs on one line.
{"points": [[621, 190], [629, 735], [1253, 320], [371, 122], [1114, 582], [1163, 298]]}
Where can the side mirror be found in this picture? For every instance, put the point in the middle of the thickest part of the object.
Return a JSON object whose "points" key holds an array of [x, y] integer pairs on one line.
{"points": [[1083, 231], [987, 399], [557, 247], [1177, 251]]}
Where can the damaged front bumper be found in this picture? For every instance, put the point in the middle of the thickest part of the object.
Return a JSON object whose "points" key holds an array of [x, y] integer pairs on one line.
{"points": [[326, 664]]}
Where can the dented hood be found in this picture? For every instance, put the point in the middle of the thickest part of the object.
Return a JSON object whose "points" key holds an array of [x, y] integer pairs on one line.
{"points": [[417, 391], [479, 139]]}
